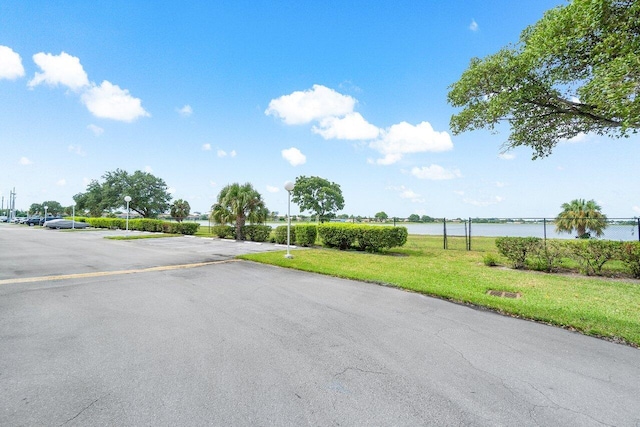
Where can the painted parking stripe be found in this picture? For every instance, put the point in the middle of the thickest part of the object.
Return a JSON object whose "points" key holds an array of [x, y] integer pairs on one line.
{"points": [[111, 273]]}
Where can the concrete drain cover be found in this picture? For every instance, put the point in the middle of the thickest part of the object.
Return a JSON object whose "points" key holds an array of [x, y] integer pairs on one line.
{"points": [[504, 294]]}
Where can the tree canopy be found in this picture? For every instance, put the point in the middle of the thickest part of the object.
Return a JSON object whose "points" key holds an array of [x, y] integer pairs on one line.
{"points": [[239, 203], [53, 208], [149, 194], [575, 71], [317, 195], [584, 217], [180, 209]]}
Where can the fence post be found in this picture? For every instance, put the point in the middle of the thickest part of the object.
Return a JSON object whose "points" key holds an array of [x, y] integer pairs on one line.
{"points": [[469, 246], [544, 221], [444, 223], [639, 229]]}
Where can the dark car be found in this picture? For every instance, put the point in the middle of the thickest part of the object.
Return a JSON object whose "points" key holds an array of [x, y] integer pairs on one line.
{"points": [[34, 220]]}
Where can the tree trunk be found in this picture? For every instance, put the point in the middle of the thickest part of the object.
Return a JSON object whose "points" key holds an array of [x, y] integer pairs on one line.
{"points": [[240, 221]]}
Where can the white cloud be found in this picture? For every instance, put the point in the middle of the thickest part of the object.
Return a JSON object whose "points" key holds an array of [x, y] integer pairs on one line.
{"points": [[314, 104], [222, 153], [459, 192], [76, 149], [500, 184], [435, 172], [206, 147], [148, 169], [506, 156], [351, 127], [61, 69], [272, 189], [636, 209], [581, 137], [10, 64], [25, 161], [404, 138], [294, 156], [97, 130], [110, 102], [232, 153], [61, 182], [185, 111], [407, 193], [474, 25]]}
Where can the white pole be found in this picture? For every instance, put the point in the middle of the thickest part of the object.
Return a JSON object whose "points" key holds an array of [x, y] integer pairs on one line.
{"points": [[73, 216], [127, 199], [289, 187]]}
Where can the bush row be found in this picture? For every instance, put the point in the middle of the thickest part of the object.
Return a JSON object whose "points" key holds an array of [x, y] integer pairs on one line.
{"points": [[591, 255], [368, 238], [254, 233], [301, 234], [144, 224]]}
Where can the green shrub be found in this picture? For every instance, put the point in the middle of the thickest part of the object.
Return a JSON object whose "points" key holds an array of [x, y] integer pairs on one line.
{"points": [[516, 249], [630, 255], [593, 254], [256, 233], [490, 260], [186, 228], [341, 236], [305, 234], [548, 255], [223, 231], [280, 235]]}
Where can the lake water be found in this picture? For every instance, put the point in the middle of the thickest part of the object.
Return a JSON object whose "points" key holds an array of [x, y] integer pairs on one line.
{"points": [[612, 232]]}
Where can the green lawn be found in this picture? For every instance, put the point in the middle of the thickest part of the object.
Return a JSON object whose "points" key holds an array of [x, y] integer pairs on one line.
{"points": [[592, 305]]}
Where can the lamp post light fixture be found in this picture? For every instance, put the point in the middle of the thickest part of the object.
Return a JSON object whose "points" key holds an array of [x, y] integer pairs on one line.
{"points": [[127, 199], [45, 214], [289, 187], [73, 216]]}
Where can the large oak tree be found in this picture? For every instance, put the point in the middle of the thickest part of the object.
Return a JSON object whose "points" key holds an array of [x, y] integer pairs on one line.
{"points": [[575, 71]]}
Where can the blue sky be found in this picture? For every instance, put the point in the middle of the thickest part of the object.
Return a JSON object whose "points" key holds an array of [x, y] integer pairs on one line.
{"points": [[202, 94]]}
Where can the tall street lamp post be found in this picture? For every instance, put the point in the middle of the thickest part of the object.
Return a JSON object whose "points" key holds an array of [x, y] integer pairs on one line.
{"points": [[289, 187], [73, 215], [127, 199], [45, 214]]}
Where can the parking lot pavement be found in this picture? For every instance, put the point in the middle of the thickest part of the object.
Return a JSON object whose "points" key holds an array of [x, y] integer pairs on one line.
{"points": [[43, 252], [240, 343]]}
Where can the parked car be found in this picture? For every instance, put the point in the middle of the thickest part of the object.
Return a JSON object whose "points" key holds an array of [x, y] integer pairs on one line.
{"points": [[65, 224], [34, 220], [49, 218], [3, 218]]}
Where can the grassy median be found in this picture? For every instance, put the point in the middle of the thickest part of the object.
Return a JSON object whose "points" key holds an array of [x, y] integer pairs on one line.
{"points": [[607, 308]]}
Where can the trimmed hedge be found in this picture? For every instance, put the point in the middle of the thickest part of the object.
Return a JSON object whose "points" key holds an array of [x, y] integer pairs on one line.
{"points": [[223, 231], [370, 238], [305, 234], [280, 234], [590, 254], [256, 233], [144, 224]]}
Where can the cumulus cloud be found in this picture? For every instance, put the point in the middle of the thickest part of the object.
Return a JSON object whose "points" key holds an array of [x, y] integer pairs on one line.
{"points": [[506, 156], [10, 64], [76, 149], [61, 182], [407, 193], [350, 127], [109, 101], [232, 153], [581, 137], [272, 189], [62, 69], [206, 147], [435, 172], [185, 111], [294, 156], [404, 138], [314, 104], [97, 130], [474, 25], [25, 161]]}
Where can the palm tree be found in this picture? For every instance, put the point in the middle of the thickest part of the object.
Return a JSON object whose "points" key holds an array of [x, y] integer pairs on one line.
{"points": [[180, 209], [239, 203], [582, 216]]}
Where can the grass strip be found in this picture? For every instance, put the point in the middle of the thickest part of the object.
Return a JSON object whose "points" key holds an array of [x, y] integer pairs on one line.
{"points": [[143, 236], [596, 306]]}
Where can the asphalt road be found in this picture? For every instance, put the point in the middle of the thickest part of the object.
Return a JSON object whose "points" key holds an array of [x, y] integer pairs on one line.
{"points": [[133, 336]]}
